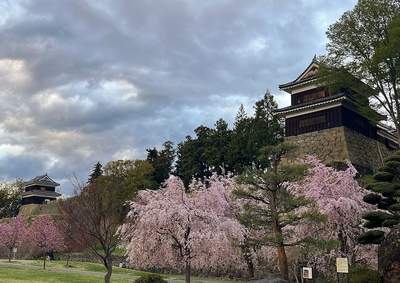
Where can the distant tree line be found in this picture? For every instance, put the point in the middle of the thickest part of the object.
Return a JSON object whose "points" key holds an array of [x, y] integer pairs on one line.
{"points": [[212, 150]]}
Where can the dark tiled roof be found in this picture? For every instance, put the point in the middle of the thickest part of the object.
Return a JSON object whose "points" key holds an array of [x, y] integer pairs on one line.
{"points": [[304, 80], [295, 82], [43, 180], [324, 100], [40, 193]]}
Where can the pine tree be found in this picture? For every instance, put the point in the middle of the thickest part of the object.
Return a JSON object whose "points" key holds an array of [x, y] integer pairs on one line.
{"points": [[97, 172], [385, 192]]}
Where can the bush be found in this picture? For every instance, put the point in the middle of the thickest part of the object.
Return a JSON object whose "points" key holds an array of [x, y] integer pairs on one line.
{"points": [[150, 278], [362, 274]]}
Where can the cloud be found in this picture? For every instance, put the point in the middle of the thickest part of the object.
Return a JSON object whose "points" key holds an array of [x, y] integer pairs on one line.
{"points": [[85, 81]]}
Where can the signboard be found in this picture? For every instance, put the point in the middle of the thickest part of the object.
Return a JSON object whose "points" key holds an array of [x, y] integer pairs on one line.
{"points": [[342, 265], [307, 273], [14, 250]]}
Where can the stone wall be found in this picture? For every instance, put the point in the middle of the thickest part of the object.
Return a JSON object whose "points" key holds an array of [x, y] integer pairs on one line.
{"points": [[38, 209], [334, 146]]}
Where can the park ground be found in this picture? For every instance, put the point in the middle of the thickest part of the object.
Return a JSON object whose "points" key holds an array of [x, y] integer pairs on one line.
{"points": [[56, 271]]}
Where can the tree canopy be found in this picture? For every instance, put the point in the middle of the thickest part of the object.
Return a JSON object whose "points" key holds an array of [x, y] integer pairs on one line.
{"points": [[363, 55], [384, 195], [97, 172], [172, 228], [339, 196], [10, 202], [273, 209], [221, 149]]}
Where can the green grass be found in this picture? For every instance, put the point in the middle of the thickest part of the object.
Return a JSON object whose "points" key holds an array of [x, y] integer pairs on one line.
{"points": [[19, 275], [83, 266]]}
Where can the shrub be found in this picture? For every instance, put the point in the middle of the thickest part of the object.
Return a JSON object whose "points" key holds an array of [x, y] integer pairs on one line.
{"points": [[362, 274], [150, 278]]}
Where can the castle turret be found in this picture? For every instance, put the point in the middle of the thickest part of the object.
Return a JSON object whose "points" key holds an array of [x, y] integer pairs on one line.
{"points": [[330, 127], [39, 190]]}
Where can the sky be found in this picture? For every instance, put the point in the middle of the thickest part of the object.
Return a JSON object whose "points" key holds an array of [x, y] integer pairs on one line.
{"points": [[86, 81]]}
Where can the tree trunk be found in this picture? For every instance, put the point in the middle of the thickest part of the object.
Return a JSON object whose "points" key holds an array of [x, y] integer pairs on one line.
{"points": [[10, 255], [187, 271], [108, 264], [250, 266], [44, 261], [283, 264]]}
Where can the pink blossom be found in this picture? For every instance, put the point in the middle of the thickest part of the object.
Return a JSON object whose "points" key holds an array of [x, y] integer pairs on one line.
{"points": [[176, 229]]}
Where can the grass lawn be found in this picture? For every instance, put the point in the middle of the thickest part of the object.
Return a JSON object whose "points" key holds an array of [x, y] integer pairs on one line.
{"points": [[84, 266], [18, 275]]}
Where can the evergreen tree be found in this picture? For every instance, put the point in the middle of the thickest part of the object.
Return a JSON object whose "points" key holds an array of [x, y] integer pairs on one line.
{"points": [[97, 172], [162, 162], [239, 156], [221, 149], [270, 207], [266, 128], [385, 192]]}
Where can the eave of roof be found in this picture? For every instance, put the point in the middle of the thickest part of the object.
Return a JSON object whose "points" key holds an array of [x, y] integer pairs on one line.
{"points": [[43, 180], [297, 81], [313, 103], [40, 194]]}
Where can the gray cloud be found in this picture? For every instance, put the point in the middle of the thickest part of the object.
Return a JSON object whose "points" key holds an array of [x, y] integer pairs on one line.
{"points": [[85, 81]]}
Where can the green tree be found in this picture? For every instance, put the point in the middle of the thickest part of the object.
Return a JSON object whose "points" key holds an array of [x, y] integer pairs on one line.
{"points": [[266, 128], [187, 164], [216, 149], [97, 172], [385, 192], [363, 55], [10, 201], [162, 162], [270, 207], [239, 156], [221, 149], [129, 176], [201, 156]]}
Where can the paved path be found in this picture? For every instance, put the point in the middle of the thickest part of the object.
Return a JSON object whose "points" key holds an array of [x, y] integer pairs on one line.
{"points": [[177, 279]]}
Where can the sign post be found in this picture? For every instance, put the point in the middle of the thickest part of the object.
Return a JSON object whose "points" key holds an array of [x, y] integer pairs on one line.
{"points": [[14, 252], [342, 266]]}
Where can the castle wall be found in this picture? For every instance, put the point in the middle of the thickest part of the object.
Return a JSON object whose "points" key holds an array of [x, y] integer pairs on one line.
{"points": [[39, 209], [334, 146]]}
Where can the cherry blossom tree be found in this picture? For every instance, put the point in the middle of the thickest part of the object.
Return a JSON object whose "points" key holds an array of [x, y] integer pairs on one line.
{"points": [[12, 233], [183, 230], [44, 236], [339, 196]]}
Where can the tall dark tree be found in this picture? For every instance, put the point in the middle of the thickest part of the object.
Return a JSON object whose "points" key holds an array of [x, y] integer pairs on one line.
{"points": [[162, 162], [190, 157], [266, 128], [97, 172], [363, 54], [240, 156], [385, 192], [221, 149], [216, 149]]}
